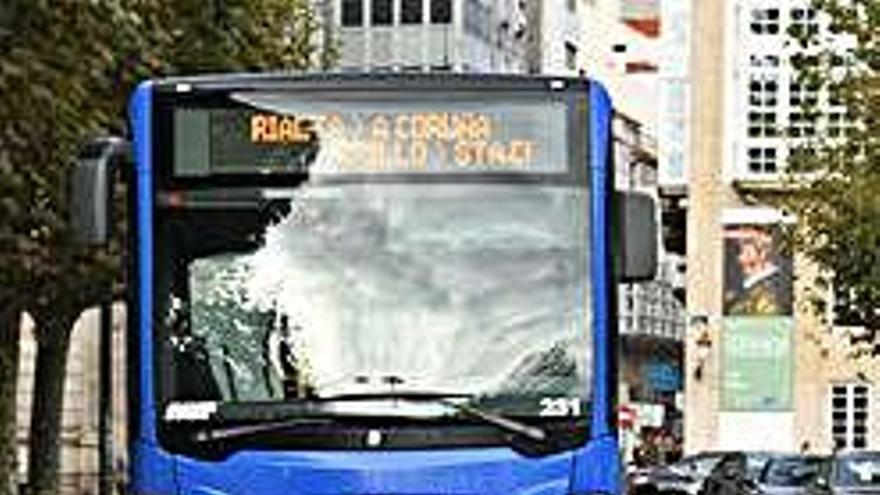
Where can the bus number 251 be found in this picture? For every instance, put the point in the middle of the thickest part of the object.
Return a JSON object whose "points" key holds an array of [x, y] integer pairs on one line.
{"points": [[560, 406]]}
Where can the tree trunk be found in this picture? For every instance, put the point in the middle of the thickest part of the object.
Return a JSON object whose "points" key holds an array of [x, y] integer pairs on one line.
{"points": [[10, 320], [44, 457]]}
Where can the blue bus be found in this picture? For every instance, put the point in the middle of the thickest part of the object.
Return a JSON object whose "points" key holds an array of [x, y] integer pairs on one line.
{"points": [[374, 284]]}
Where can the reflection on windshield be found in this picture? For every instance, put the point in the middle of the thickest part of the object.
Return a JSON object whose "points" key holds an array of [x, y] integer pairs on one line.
{"points": [[795, 471], [475, 289], [858, 470]]}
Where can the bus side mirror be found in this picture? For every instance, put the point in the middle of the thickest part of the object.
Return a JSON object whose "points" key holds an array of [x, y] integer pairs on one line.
{"points": [[637, 245], [91, 191]]}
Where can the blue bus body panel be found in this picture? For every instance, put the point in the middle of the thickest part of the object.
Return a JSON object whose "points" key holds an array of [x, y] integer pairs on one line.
{"points": [[141, 113], [152, 471], [599, 468], [448, 472], [489, 471]]}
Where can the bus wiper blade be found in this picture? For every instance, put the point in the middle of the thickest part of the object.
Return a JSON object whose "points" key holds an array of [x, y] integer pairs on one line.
{"points": [[410, 395], [214, 433], [513, 426], [507, 424]]}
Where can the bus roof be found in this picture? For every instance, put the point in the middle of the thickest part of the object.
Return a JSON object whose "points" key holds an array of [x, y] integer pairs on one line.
{"points": [[370, 80]]}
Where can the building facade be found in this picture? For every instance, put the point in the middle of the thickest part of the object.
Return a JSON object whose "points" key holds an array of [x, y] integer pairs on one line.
{"points": [[490, 36], [763, 371], [438, 35], [651, 317], [556, 44]]}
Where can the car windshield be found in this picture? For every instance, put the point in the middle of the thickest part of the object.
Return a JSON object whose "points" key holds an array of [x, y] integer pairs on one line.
{"points": [[473, 289], [857, 470], [756, 462], [748, 464], [790, 471], [702, 465]]}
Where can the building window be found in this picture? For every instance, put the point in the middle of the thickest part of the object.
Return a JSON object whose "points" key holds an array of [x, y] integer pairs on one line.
{"points": [[762, 160], [803, 21], [802, 124], [411, 12], [762, 124], [572, 5], [763, 99], [477, 19], [764, 61], [571, 53], [382, 13], [836, 124], [765, 21], [352, 13], [801, 60], [800, 94], [441, 11], [849, 415], [763, 91]]}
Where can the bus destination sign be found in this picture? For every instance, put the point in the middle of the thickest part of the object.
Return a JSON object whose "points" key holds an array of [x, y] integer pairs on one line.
{"points": [[360, 137]]}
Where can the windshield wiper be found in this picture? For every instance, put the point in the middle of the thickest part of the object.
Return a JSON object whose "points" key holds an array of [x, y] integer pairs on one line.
{"points": [[219, 432], [408, 395], [213, 433], [444, 398], [513, 426]]}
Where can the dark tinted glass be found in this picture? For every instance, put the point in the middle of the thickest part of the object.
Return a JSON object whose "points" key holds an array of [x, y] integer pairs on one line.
{"points": [[795, 471], [382, 13], [411, 12], [858, 469], [441, 11], [352, 13]]}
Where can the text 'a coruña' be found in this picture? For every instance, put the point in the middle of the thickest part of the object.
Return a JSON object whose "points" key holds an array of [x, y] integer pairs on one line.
{"points": [[439, 141]]}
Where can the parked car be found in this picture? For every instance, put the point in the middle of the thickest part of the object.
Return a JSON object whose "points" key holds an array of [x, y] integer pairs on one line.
{"points": [[789, 474], [736, 473], [686, 477], [679, 478], [856, 473]]}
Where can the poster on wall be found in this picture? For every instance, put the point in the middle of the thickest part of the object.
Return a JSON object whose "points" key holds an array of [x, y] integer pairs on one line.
{"points": [[756, 343], [757, 276], [757, 364]]}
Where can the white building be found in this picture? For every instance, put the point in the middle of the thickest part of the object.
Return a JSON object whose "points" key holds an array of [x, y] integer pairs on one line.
{"points": [[556, 36], [439, 35], [624, 55], [674, 85], [764, 95], [492, 36], [746, 114]]}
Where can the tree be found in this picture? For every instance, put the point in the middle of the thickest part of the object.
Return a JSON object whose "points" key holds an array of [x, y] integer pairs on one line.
{"points": [[66, 70], [834, 177], [9, 333]]}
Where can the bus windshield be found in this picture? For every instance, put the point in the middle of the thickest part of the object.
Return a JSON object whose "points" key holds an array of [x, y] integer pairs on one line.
{"points": [[357, 288]]}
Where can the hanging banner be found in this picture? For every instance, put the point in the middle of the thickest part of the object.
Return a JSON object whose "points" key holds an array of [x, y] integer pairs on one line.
{"points": [[757, 368], [756, 342], [757, 277]]}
